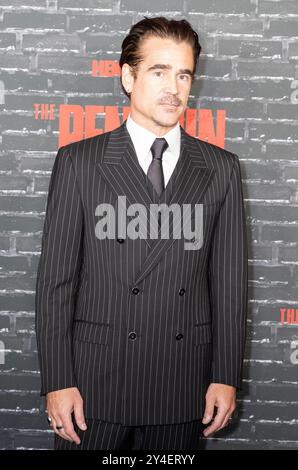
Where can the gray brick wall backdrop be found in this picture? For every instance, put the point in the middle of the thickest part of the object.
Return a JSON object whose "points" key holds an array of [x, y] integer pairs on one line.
{"points": [[54, 54]]}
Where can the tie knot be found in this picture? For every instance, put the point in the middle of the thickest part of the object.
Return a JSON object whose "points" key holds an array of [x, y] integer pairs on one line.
{"points": [[158, 147]]}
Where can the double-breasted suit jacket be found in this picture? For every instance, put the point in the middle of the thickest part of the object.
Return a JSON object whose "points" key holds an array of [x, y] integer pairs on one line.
{"points": [[141, 326]]}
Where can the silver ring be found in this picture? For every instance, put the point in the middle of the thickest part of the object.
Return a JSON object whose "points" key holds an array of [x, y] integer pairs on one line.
{"points": [[49, 420]]}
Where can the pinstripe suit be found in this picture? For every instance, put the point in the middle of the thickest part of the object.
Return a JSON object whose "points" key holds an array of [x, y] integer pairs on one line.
{"points": [[141, 326]]}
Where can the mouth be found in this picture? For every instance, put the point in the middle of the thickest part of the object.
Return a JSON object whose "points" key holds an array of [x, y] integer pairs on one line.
{"points": [[169, 105]]}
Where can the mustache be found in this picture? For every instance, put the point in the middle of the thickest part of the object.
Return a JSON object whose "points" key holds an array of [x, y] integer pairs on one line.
{"points": [[172, 102]]}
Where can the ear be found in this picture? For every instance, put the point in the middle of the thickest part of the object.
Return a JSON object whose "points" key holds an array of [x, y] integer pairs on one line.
{"points": [[127, 78]]}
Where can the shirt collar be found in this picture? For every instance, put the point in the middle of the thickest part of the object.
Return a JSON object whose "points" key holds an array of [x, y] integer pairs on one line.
{"points": [[143, 139]]}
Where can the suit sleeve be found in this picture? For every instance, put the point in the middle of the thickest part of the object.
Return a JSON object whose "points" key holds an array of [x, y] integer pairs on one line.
{"points": [[228, 284], [57, 276]]}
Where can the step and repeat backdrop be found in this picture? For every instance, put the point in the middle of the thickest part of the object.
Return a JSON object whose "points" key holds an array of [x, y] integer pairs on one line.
{"points": [[60, 82]]}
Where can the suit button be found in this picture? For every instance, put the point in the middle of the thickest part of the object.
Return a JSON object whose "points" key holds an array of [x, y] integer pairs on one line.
{"points": [[132, 335], [120, 240], [135, 290], [182, 291], [179, 336]]}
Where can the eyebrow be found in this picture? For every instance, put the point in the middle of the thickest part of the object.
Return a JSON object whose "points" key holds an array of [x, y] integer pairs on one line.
{"points": [[169, 67]]}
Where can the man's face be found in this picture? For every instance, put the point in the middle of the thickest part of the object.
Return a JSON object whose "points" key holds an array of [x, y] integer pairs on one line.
{"points": [[160, 92]]}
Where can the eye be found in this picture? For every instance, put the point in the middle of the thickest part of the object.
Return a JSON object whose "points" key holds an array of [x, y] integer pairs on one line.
{"points": [[158, 71], [185, 76]]}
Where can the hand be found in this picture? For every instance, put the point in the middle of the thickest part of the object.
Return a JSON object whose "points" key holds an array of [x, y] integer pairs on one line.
{"points": [[224, 398], [60, 405]]}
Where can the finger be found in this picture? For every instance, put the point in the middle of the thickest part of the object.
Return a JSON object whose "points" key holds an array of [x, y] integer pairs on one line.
{"points": [[209, 411], [79, 415], [226, 420], [69, 429], [217, 422], [51, 419], [60, 432], [231, 413], [215, 426]]}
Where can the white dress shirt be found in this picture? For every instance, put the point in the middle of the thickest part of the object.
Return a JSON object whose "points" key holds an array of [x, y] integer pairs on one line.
{"points": [[143, 140]]}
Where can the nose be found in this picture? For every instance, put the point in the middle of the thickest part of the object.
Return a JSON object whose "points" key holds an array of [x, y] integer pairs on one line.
{"points": [[172, 85]]}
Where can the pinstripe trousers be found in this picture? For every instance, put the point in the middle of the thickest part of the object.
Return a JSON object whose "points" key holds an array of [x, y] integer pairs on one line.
{"points": [[101, 435]]}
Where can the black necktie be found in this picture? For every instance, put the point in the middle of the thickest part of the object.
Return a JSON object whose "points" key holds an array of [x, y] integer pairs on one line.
{"points": [[155, 172]]}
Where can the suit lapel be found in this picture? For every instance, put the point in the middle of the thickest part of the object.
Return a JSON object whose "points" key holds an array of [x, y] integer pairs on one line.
{"points": [[120, 167]]}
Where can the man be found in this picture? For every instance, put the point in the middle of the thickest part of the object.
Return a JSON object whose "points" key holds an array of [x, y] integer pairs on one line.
{"points": [[140, 338]]}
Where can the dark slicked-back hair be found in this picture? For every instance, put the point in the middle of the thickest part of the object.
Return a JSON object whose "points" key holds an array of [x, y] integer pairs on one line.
{"points": [[177, 30]]}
